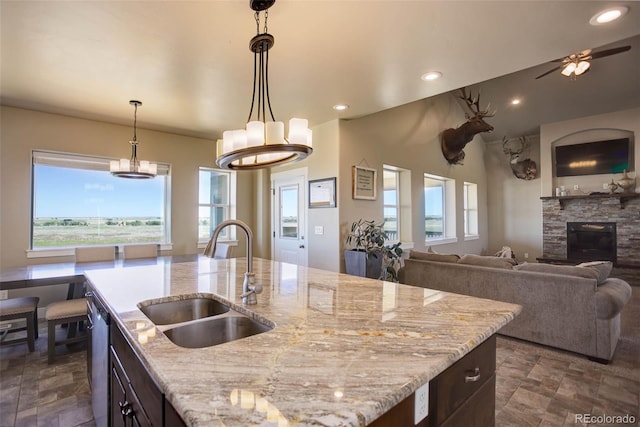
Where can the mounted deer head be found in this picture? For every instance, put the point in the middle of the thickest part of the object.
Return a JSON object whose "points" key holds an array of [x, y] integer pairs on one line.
{"points": [[454, 140], [522, 169]]}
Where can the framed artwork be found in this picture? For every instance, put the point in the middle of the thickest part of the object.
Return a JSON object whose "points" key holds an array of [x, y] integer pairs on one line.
{"points": [[322, 193], [364, 183]]}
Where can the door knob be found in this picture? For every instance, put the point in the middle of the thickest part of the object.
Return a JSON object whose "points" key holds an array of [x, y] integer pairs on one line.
{"points": [[301, 246]]}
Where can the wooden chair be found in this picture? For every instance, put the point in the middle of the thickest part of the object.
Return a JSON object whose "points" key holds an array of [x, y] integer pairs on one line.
{"points": [[223, 251], [73, 311], [70, 311], [19, 308], [95, 253], [141, 251]]}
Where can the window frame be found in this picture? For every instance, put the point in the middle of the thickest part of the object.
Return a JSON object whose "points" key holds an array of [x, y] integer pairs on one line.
{"points": [[229, 207], [448, 209], [91, 163], [470, 209], [396, 205]]}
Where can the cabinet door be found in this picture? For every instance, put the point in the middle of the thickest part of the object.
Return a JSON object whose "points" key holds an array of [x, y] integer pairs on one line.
{"points": [[118, 396]]}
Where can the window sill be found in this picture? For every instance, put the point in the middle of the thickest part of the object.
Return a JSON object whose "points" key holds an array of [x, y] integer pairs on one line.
{"points": [[203, 243], [441, 241], [473, 237], [64, 252]]}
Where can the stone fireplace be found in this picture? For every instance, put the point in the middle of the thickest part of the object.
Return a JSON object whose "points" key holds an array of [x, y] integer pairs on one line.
{"points": [[624, 213]]}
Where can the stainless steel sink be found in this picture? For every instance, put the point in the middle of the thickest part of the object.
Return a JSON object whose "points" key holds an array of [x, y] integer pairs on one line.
{"points": [[166, 313], [220, 330]]}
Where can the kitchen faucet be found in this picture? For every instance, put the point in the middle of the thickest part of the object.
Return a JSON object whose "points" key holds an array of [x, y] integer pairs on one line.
{"points": [[249, 288]]}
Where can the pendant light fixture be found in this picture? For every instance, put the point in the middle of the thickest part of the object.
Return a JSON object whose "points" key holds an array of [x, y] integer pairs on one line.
{"points": [[262, 144], [133, 168]]}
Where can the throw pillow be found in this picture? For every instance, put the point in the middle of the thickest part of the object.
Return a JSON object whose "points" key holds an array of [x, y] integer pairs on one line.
{"points": [[432, 256], [566, 270], [488, 261], [602, 267]]}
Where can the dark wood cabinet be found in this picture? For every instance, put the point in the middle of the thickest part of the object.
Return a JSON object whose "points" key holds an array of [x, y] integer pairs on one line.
{"points": [[463, 395], [136, 400]]}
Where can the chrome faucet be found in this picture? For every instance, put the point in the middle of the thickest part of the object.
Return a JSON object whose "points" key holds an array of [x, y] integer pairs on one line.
{"points": [[249, 287]]}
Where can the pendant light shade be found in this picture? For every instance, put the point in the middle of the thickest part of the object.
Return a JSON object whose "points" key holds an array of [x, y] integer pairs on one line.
{"points": [[133, 168], [262, 144]]}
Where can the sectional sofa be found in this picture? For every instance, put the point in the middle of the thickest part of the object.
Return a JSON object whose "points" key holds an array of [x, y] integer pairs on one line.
{"points": [[574, 308]]}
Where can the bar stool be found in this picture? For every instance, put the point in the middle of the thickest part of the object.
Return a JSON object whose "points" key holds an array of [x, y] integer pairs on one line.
{"points": [[69, 311], [18, 308]]}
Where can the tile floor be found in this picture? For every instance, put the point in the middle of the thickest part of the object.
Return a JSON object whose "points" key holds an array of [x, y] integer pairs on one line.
{"points": [[536, 386]]}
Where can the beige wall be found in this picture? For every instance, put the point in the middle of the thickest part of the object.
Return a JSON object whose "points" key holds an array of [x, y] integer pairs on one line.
{"points": [[25, 130], [324, 249], [515, 208], [611, 125], [408, 137], [515, 211]]}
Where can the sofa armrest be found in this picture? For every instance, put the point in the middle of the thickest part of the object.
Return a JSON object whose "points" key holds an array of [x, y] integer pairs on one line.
{"points": [[611, 297]]}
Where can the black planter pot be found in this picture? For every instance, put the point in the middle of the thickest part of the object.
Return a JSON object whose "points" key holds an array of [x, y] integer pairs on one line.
{"points": [[358, 264]]}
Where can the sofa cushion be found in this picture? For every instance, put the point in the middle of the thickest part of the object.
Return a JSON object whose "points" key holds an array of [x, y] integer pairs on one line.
{"points": [[611, 297], [488, 261], [432, 256], [566, 270], [602, 267]]}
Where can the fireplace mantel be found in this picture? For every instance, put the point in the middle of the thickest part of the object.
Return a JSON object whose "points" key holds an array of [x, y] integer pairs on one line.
{"points": [[623, 197]]}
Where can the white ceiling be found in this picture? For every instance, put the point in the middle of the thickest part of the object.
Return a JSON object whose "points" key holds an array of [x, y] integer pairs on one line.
{"points": [[190, 65]]}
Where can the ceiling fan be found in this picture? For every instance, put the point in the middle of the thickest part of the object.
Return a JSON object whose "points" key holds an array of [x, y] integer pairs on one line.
{"points": [[578, 63]]}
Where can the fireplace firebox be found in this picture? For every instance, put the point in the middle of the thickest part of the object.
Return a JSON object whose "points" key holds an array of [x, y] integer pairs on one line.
{"points": [[591, 241]]}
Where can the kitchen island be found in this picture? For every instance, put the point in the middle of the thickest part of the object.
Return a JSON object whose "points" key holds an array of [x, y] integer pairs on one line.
{"points": [[344, 350]]}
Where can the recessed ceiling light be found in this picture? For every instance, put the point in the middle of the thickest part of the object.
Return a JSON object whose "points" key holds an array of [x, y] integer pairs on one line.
{"points": [[340, 107], [516, 101], [431, 75], [608, 15]]}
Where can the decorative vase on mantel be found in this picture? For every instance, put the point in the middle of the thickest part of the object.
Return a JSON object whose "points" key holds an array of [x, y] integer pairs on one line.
{"points": [[626, 183]]}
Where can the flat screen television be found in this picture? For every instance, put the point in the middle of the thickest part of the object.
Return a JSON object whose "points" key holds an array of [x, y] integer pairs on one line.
{"points": [[594, 158]]}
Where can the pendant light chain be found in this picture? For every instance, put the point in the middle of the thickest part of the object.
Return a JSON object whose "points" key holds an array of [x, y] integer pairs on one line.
{"points": [[135, 121]]}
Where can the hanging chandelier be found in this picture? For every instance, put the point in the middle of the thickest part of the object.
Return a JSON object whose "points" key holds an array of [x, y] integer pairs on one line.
{"points": [[262, 143], [132, 167]]}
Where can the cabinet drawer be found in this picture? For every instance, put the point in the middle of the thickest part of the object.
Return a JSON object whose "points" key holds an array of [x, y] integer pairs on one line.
{"points": [[464, 378], [142, 385], [479, 410]]}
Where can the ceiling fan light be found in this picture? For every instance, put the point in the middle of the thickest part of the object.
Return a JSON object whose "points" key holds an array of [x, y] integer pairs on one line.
{"points": [[582, 67], [570, 68]]}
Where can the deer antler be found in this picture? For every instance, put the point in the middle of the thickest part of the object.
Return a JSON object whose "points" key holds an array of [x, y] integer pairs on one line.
{"points": [[506, 148], [474, 105]]}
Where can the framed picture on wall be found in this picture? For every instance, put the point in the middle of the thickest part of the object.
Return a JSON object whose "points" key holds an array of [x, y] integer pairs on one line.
{"points": [[364, 183], [322, 193]]}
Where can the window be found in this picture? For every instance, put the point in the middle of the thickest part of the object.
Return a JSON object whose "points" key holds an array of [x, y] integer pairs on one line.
{"points": [[391, 197], [289, 214], [439, 208], [77, 202], [215, 194], [470, 210]]}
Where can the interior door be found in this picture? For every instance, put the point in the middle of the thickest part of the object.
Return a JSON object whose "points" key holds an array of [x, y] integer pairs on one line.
{"points": [[289, 213]]}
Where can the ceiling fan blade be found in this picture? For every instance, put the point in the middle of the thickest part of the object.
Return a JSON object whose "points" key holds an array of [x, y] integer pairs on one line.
{"points": [[549, 72], [608, 52]]}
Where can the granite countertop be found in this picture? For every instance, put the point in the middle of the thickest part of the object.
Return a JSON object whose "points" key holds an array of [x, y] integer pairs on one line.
{"points": [[344, 349]]}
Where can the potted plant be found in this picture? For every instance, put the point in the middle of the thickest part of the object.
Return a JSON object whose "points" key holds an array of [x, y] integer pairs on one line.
{"points": [[369, 256]]}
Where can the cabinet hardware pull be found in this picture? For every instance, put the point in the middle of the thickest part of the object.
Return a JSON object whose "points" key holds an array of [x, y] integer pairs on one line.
{"points": [[473, 377], [125, 410]]}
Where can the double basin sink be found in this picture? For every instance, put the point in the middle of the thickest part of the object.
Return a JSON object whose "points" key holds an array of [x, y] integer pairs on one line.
{"points": [[201, 322]]}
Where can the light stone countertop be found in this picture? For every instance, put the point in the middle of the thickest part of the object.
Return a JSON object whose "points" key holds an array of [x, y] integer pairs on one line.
{"points": [[344, 349]]}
